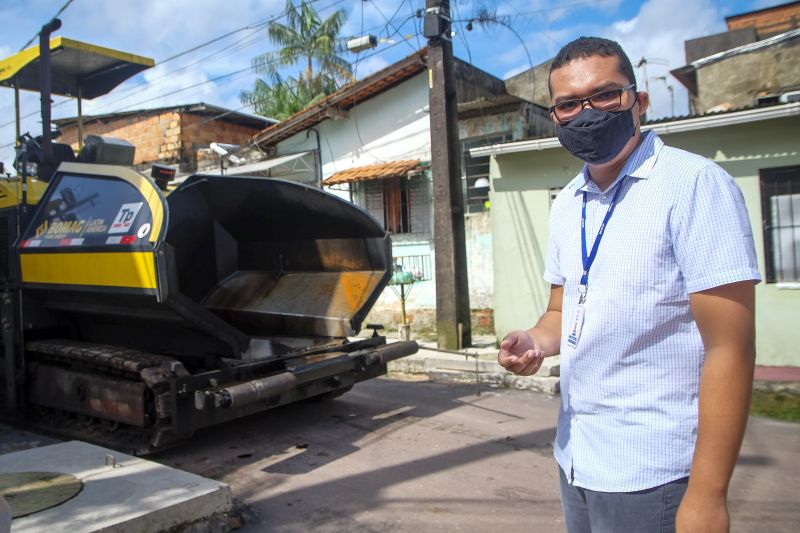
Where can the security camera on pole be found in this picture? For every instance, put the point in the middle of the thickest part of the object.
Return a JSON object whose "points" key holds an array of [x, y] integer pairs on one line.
{"points": [[453, 326]]}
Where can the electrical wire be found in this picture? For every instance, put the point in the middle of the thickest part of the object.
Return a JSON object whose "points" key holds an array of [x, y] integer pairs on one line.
{"points": [[543, 10], [389, 22], [218, 54], [182, 89], [65, 6], [232, 48], [252, 26]]}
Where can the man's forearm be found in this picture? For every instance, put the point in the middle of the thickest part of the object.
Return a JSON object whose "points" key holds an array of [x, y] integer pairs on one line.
{"points": [[725, 390], [547, 332]]}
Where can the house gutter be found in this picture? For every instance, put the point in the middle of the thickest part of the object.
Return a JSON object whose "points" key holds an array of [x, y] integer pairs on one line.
{"points": [[663, 128]]}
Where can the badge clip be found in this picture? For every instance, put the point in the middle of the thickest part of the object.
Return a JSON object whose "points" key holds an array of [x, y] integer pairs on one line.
{"points": [[582, 289]]}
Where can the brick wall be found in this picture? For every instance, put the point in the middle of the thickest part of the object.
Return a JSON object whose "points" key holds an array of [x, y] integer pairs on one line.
{"points": [[768, 21], [155, 135], [165, 136], [198, 131]]}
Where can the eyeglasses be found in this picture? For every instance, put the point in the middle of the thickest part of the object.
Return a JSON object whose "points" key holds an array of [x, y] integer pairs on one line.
{"points": [[603, 101]]}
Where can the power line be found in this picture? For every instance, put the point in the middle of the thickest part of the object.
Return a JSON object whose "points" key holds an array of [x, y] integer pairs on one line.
{"points": [[231, 48], [416, 23], [389, 22], [166, 76], [176, 91], [254, 26], [490, 16], [65, 6]]}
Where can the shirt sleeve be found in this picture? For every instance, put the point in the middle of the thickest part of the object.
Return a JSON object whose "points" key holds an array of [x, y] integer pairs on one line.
{"points": [[711, 234], [552, 269]]}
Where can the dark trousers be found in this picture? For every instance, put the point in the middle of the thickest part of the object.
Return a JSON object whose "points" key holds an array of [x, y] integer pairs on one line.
{"points": [[645, 511]]}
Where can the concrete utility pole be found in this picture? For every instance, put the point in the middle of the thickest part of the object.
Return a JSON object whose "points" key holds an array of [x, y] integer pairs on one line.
{"points": [[453, 327]]}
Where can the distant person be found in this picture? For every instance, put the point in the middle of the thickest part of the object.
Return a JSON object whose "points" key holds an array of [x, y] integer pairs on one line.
{"points": [[652, 270]]}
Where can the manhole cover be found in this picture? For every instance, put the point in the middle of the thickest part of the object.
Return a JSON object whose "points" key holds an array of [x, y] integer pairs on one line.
{"points": [[31, 492]]}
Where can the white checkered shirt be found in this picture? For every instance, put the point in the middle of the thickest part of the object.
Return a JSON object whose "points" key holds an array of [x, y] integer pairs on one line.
{"points": [[629, 390]]}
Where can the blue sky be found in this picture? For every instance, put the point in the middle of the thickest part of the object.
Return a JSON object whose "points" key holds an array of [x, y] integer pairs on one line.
{"points": [[653, 29]]}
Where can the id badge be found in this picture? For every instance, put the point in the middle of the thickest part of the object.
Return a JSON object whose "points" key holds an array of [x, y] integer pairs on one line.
{"points": [[576, 326]]}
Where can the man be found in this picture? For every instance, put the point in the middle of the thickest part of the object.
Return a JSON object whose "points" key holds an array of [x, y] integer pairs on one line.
{"points": [[652, 270]]}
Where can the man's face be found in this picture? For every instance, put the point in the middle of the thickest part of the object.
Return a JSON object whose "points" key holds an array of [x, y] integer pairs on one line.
{"points": [[585, 77]]}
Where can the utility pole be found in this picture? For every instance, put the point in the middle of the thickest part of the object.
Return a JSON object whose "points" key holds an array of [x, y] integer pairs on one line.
{"points": [[453, 328]]}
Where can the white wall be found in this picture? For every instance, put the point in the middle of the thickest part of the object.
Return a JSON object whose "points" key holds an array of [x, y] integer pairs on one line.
{"points": [[388, 127]]}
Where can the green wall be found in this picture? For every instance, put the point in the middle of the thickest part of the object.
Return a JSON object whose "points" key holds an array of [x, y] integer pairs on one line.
{"points": [[520, 196]]}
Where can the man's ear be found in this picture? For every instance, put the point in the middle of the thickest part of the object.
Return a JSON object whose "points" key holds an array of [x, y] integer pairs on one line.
{"points": [[644, 102]]}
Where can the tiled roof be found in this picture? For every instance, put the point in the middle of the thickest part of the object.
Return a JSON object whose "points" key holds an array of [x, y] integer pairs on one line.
{"points": [[336, 104], [389, 169]]}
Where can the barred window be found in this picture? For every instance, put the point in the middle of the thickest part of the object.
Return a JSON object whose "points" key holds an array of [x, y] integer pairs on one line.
{"points": [[780, 207]]}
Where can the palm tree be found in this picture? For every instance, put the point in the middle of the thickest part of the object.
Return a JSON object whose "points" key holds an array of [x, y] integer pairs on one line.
{"points": [[307, 40], [282, 98]]}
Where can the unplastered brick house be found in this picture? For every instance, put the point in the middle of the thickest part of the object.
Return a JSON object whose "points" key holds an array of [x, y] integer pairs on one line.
{"points": [[175, 135]]}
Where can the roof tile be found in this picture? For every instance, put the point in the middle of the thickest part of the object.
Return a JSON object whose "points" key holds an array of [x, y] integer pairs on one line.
{"points": [[389, 169]]}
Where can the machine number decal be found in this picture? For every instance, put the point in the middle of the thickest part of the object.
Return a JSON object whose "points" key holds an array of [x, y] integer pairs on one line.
{"points": [[144, 230], [125, 217]]}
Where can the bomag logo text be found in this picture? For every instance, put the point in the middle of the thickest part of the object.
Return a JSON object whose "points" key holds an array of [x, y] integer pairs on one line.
{"points": [[73, 226]]}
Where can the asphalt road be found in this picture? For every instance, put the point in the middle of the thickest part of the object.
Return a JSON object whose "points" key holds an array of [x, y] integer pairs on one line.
{"points": [[408, 456]]}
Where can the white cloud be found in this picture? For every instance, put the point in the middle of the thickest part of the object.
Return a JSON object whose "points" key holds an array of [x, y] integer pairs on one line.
{"points": [[371, 65], [647, 36], [625, 26]]}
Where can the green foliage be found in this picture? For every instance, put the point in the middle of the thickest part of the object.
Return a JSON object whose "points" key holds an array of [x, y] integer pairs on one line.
{"points": [[282, 98], [776, 404], [307, 40]]}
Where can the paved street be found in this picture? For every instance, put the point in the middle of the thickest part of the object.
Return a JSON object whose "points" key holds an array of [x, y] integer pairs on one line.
{"points": [[408, 456]]}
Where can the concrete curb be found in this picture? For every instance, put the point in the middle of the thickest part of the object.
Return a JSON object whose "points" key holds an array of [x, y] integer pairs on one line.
{"points": [[479, 365], [475, 366]]}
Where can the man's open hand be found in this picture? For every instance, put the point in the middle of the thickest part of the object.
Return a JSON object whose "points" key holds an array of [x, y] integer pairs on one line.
{"points": [[520, 354]]}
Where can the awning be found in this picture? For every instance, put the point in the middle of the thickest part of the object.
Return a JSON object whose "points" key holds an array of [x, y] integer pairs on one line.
{"points": [[390, 169], [95, 69], [263, 166]]}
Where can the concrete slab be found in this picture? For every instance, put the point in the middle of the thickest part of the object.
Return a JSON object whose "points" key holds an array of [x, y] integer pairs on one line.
{"points": [[133, 494]]}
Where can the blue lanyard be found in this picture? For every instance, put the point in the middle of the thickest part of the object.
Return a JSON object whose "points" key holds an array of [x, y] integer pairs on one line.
{"points": [[588, 259]]}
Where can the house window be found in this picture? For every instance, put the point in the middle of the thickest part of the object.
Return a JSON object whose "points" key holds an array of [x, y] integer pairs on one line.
{"points": [[401, 204], [397, 207], [476, 172], [780, 207]]}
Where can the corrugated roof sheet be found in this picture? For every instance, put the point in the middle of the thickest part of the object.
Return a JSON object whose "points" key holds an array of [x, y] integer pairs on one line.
{"points": [[389, 169], [777, 39], [676, 118]]}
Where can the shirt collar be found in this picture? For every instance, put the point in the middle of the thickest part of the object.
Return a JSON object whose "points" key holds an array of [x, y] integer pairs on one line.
{"points": [[638, 165]]}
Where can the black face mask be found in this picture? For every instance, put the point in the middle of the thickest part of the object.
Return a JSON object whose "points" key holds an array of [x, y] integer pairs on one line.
{"points": [[596, 136]]}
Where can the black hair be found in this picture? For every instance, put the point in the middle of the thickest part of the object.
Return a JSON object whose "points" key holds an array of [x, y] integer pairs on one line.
{"points": [[584, 47]]}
